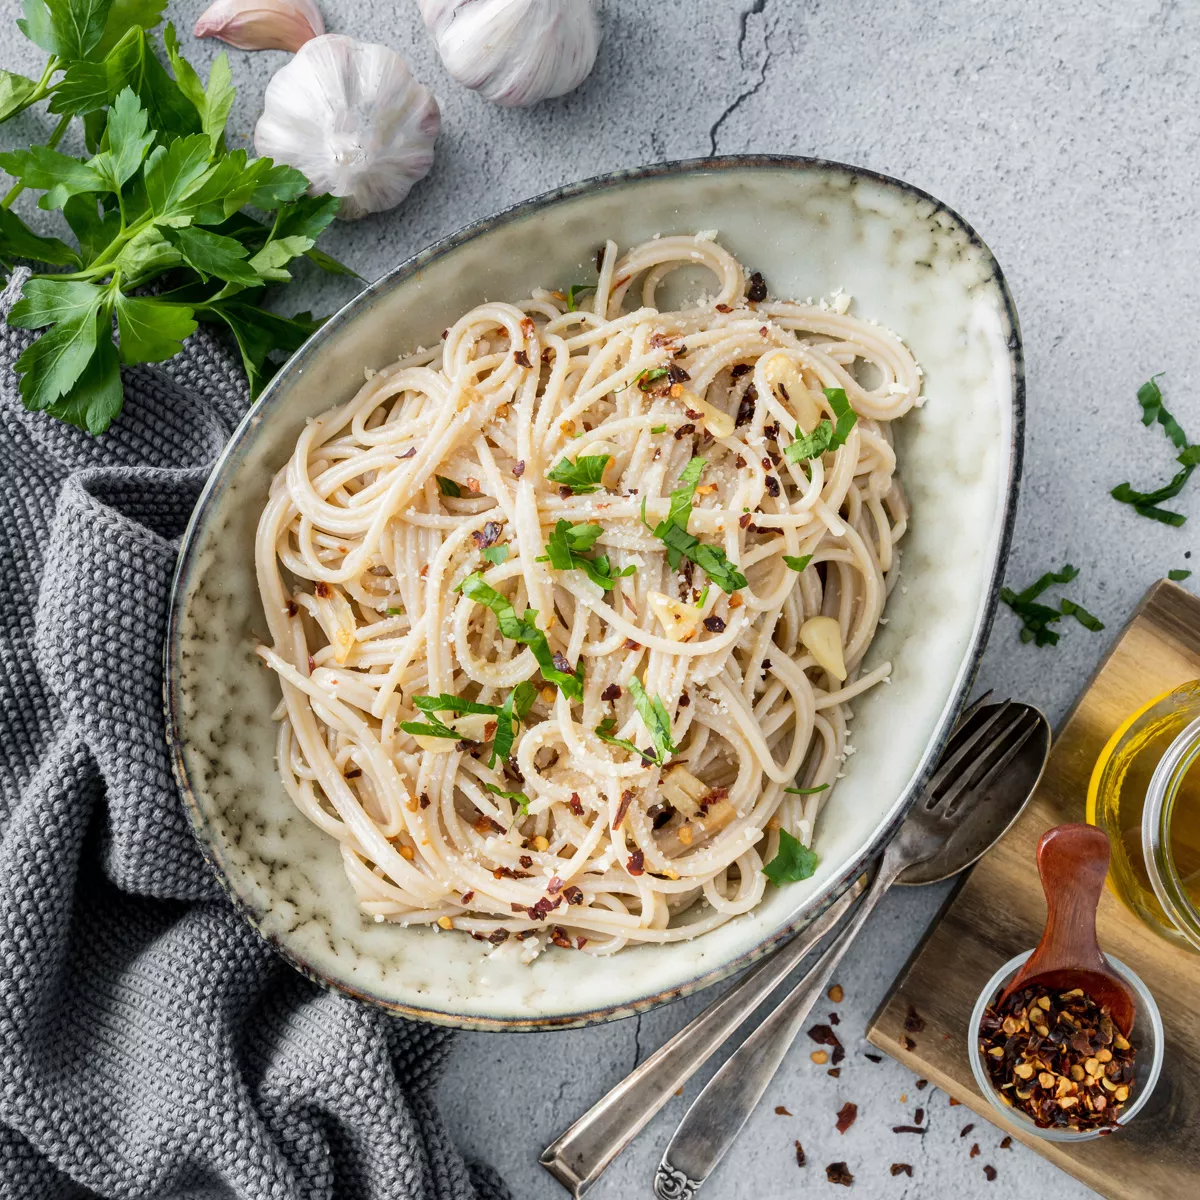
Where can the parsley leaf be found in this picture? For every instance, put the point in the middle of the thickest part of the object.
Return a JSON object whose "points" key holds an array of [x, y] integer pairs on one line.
{"points": [[812, 791], [508, 716], [658, 429], [1150, 397], [827, 435], [793, 862], [582, 476], [573, 292], [604, 731], [518, 798], [563, 552], [703, 596], [1036, 619], [1145, 504], [656, 719], [448, 487], [523, 630], [648, 376], [680, 544], [1178, 574], [497, 554], [797, 563]]}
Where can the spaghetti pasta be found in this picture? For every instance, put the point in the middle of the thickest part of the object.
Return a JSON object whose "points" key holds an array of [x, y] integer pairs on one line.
{"points": [[563, 608]]}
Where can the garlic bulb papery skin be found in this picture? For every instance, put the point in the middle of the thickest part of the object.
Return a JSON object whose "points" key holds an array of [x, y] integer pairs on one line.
{"points": [[262, 24], [515, 52], [351, 116]]}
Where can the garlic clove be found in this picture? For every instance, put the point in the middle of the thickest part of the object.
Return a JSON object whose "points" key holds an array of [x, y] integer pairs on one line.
{"points": [[515, 52], [781, 371], [261, 24], [352, 118], [720, 424], [679, 621], [822, 636]]}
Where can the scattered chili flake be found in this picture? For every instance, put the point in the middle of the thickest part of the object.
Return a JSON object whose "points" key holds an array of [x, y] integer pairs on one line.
{"points": [[909, 1129], [573, 894], [780, 1111], [758, 289], [745, 412], [834, 1019], [922, 1084], [487, 536], [914, 1022], [846, 1117], [623, 807], [824, 1036], [800, 1159], [684, 430], [989, 1173], [919, 1116], [724, 308], [565, 492], [820, 1057], [521, 358], [875, 1058], [498, 936], [908, 1043], [562, 663], [637, 863], [1006, 1143], [764, 331], [580, 942], [575, 804], [1058, 1058], [292, 610], [554, 885], [954, 1103], [714, 624], [424, 800], [772, 485], [518, 468], [526, 861], [902, 1169], [558, 935], [975, 1150], [612, 692], [745, 519], [966, 1129], [834, 1072], [630, 644], [684, 700], [836, 994], [838, 1172]]}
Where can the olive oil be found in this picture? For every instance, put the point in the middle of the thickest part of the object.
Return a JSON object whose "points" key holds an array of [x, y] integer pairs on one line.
{"points": [[1117, 800]]}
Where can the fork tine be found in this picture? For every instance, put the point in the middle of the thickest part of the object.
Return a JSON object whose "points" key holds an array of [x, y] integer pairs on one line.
{"points": [[972, 781], [967, 713], [951, 765]]}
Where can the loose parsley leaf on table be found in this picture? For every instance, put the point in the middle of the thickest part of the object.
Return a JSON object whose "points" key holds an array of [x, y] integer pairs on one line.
{"points": [[1146, 504], [158, 199], [523, 630], [564, 553], [673, 533], [1037, 618], [582, 476], [793, 862], [1178, 574]]}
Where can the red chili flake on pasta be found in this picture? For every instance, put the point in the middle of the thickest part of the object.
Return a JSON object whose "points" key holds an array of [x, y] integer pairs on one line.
{"points": [[424, 801], [521, 358], [467, 897], [764, 331], [684, 700], [573, 894], [575, 804], [630, 644], [724, 308], [739, 369], [684, 430], [498, 936], [580, 942], [714, 624], [554, 885], [745, 412], [518, 468], [525, 861], [757, 290], [745, 520], [528, 328], [692, 414], [637, 863], [558, 935], [321, 590], [292, 610], [312, 664], [622, 808], [846, 1117], [487, 536], [612, 692]]}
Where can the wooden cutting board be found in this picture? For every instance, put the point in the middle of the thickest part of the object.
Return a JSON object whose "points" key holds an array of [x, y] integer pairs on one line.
{"points": [[999, 910]]}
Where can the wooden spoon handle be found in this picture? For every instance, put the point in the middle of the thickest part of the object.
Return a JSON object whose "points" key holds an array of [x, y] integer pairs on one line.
{"points": [[1073, 863]]}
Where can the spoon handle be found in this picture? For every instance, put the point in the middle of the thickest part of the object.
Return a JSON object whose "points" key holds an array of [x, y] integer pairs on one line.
{"points": [[1073, 863], [717, 1115]]}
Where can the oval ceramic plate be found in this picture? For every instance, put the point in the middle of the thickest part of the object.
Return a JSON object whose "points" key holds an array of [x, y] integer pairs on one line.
{"points": [[812, 228]]}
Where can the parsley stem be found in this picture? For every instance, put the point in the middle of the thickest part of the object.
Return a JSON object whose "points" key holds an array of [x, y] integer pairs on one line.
{"points": [[53, 141]]}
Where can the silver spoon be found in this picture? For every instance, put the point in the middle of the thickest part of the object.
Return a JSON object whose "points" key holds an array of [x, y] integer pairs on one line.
{"points": [[940, 837], [580, 1155]]}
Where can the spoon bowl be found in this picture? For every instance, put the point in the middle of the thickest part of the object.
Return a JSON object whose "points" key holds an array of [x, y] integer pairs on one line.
{"points": [[1073, 864]]}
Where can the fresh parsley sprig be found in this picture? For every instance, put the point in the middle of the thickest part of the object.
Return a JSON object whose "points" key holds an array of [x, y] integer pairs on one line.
{"points": [[657, 721], [518, 798], [582, 476], [828, 435], [564, 552], [1146, 504], [1036, 618], [159, 199], [509, 716], [523, 630], [673, 533], [797, 563], [793, 861]]}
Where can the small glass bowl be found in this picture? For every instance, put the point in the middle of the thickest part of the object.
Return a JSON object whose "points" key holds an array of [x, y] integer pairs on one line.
{"points": [[1148, 1039]]}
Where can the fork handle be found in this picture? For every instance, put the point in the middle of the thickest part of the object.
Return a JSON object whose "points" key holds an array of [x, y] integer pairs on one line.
{"points": [[717, 1115], [579, 1156]]}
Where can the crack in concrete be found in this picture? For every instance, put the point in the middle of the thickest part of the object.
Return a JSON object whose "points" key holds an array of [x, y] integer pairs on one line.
{"points": [[637, 1039], [756, 8]]}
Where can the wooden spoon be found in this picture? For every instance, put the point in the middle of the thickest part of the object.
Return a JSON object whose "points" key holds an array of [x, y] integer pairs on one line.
{"points": [[1073, 863]]}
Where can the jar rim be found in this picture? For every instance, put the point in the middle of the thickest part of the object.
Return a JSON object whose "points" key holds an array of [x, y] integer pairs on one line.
{"points": [[1157, 815]]}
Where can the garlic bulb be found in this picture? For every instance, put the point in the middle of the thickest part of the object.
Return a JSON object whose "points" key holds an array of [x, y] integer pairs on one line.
{"points": [[515, 52], [262, 24], [351, 116]]}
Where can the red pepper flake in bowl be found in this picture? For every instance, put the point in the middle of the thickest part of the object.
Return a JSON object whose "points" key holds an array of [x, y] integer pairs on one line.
{"points": [[838, 1172], [1058, 1058], [846, 1117]]}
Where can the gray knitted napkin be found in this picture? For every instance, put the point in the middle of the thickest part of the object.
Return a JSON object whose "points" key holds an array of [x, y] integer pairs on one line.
{"points": [[151, 1045]]}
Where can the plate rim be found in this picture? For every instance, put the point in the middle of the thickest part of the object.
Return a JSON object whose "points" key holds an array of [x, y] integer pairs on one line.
{"points": [[977, 642]]}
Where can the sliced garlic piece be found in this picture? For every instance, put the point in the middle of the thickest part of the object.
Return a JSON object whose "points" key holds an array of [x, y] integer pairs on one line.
{"points": [[679, 621], [682, 790], [332, 611], [683, 835], [781, 370], [472, 726], [823, 638], [719, 424]]}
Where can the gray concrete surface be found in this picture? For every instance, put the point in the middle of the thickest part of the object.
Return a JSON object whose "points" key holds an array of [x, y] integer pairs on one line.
{"points": [[1067, 134]]}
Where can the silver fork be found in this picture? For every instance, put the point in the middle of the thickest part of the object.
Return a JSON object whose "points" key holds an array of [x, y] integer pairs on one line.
{"points": [[711, 1125]]}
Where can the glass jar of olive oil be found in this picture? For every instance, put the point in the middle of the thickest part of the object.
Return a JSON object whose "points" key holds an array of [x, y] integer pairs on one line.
{"points": [[1145, 794]]}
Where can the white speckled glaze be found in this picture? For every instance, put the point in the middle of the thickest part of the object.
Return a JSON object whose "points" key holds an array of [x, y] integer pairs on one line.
{"points": [[811, 227]]}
